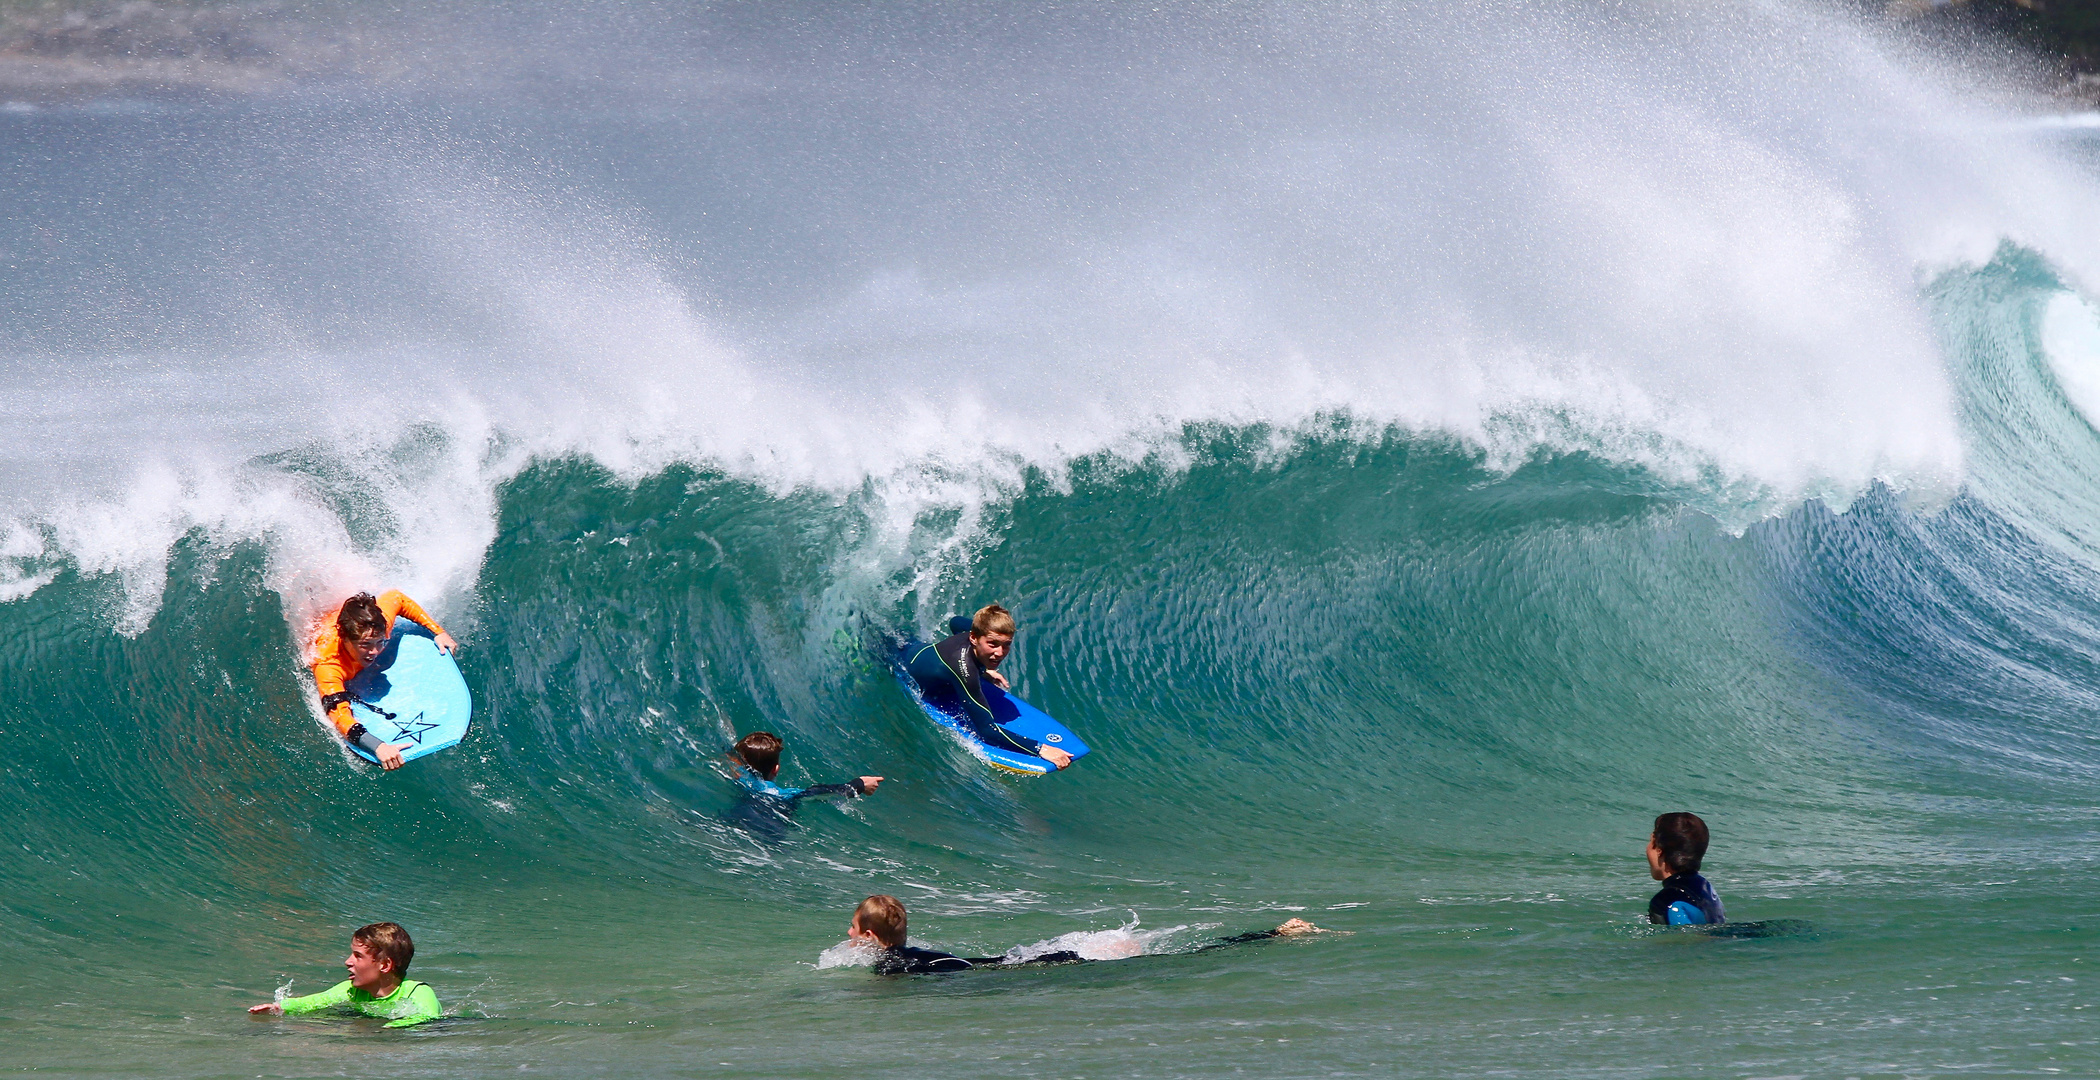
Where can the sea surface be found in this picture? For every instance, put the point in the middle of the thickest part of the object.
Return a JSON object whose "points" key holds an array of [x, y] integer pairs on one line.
{"points": [[1419, 446]]}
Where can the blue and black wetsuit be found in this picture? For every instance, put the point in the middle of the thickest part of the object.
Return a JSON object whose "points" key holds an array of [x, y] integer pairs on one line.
{"points": [[787, 797], [909, 960], [952, 680], [1686, 900]]}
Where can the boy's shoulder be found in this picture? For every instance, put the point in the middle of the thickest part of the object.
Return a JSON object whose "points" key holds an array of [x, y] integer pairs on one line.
{"points": [[1692, 889], [757, 785], [910, 960]]}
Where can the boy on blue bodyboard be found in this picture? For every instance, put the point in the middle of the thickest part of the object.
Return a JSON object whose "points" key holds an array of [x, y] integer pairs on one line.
{"points": [[951, 676], [1675, 851]]}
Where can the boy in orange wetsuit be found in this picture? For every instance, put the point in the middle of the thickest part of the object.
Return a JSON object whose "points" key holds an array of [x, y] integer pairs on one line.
{"points": [[353, 638]]}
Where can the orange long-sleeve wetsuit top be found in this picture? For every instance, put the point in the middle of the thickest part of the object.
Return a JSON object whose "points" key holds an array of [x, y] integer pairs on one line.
{"points": [[336, 663]]}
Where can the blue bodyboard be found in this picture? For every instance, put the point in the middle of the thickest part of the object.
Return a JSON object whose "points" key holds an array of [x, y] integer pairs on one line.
{"points": [[1014, 715], [421, 687]]}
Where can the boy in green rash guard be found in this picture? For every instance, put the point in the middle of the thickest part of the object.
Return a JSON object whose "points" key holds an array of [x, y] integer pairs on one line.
{"points": [[379, 953]]}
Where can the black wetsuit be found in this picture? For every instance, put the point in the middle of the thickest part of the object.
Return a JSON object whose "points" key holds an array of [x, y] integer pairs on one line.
{"points": [[952, 680], [909, 960], [1689, 889]]}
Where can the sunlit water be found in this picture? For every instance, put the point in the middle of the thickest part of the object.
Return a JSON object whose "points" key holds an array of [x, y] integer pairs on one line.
{"points": [[1419, 448]]}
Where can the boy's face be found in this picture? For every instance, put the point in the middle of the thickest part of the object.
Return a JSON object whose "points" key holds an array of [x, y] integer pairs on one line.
{"points": [[990, 648], [1656, 869], [369, 647], [854, 931], [367, 972]]}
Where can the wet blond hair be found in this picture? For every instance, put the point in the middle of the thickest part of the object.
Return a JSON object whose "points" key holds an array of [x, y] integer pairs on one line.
{"points": [[992, 619]]}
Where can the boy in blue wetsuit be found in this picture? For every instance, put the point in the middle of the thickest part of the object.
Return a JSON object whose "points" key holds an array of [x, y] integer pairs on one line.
{"points": [[1675, 850], [879, 922], [758, 761], [952, 674]]}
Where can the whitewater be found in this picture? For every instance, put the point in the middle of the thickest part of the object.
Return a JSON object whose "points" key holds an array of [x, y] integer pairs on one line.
{"points": [[1420, 445]]}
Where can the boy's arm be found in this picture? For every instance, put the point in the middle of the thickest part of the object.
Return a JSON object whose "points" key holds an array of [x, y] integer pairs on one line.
{"points": [[312, 1003], [335, 698], [422, 1006], [852, 789], [329, 680], [394, 603]]}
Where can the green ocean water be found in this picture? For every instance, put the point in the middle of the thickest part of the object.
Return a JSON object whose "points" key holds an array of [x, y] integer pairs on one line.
{"points": [[1435, 713], [1420, 445]]}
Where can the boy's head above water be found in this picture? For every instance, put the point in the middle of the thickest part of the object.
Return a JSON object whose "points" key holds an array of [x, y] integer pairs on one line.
{"points": [[761, 751], [880, 919], [992, 635], [379, 954], [1677, 846], [362, 625]]}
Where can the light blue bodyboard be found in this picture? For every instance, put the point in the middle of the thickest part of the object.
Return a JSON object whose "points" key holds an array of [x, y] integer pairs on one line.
{"points": [[421, 687]]}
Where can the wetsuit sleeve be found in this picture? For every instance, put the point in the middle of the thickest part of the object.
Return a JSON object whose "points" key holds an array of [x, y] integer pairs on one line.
{"points": [[313, 1003], [1062, 956], [395, 603], [851, 789], [330, 677], [422, 1006], [1236, 939], [996, 734]]}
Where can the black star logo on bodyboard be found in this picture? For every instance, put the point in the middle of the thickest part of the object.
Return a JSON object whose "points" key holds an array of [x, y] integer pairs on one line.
{"points": [[413, 729]]}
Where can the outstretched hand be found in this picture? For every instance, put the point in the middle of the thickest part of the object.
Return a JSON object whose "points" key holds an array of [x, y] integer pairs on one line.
{"points": [[998, 678], [445, 643], [270, 1007], [389, 756], [1056, 757], [867, 784]]}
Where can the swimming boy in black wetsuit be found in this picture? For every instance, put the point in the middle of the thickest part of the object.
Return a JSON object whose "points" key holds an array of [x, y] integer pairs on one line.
{"points": [[951, 676], [879, 921], [1675, 850]]}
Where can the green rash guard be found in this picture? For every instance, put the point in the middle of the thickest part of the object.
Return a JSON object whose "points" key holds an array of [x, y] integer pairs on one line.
{"points": [[411, 1003]]}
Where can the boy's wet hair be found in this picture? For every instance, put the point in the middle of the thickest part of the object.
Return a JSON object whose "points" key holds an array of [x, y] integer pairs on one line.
{"points": [[1682, 840], [882, 916], [992, 619], [761, 751], [360, 619], [387, 941]]}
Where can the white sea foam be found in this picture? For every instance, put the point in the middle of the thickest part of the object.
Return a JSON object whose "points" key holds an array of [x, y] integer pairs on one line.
{"points": [[1120, 943], [2071, 338], [1685, 238], [848, 954]]}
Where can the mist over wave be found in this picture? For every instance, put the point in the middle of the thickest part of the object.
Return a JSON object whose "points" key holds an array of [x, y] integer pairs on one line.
{"points": [[927, 249]]}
